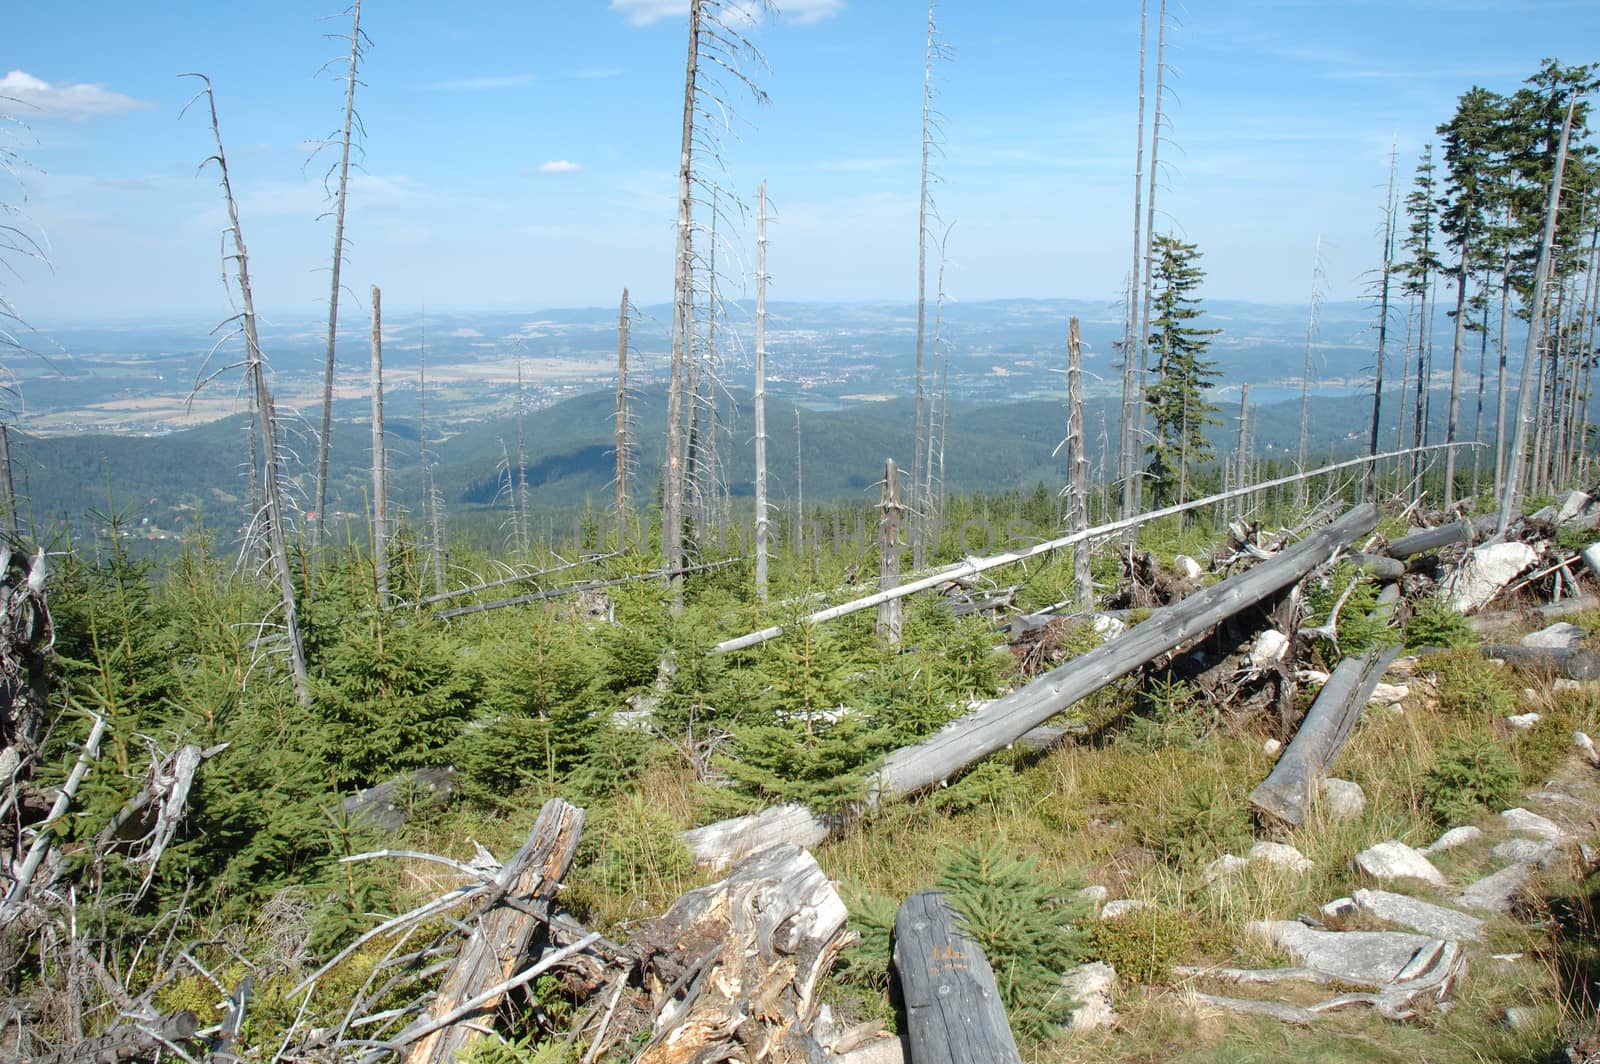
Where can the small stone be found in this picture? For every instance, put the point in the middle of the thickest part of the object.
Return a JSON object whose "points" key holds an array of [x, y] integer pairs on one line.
{"points": [[1280, 856], [1585, 746], [1565, 683], [1560, 635], [1116, 910], [1496, 892], [1388, 694], [1454, 837], [1088, 987], [1271, 747], [1342, 799], [1105, 627], [1339, 908], [1532, 824], [1506, 959], [1396, 860], [1419, 916], [1268, 649], [1523, 721], [1519, 1018], [1095, 895], [1187, 567], [1312, 677], [1225, 866]]}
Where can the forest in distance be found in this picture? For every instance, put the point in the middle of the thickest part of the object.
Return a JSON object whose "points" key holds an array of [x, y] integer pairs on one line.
{"points": [[1163, 677]]}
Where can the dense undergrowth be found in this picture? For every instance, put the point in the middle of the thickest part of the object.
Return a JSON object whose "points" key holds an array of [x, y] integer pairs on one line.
{"points": [[546, 699]]}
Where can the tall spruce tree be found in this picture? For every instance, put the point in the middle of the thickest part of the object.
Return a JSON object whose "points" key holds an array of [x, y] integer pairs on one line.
{"points": [[1422, 244], [1176, 399]]}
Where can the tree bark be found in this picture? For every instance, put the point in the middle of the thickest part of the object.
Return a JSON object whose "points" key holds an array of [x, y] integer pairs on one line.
{"points": [[622, 410], [888, 628], [763, 528], [954, 1014], [380, 490]]}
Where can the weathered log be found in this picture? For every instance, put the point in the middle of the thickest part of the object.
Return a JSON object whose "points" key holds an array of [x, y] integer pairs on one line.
{"points": [[1379, 566], [132, 1040], [728, 841], [387, 805], [496, 949], [1576, 663], [1283, 799], [954, 1014], [1430, 539], [1004, 720], [732, 970]]}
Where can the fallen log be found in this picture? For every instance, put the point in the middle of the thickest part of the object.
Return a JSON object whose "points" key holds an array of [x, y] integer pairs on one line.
{"points": [[1283, 799], [1004, 720], [954, 1014], [1575, 663], [494, 953], [131, 1040], [1430, 539], [1379, 566]]}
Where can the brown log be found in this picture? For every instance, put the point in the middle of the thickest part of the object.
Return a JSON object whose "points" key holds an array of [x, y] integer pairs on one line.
{"points": [[954, 1014], [1284, 797], [497, 947]]}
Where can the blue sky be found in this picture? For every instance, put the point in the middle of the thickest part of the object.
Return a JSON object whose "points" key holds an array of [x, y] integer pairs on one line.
{"points": [[524, 156]]}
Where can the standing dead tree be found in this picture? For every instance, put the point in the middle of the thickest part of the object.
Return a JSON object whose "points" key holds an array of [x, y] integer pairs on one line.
{"points": [[716, 49], [1391, 214], [932, 140], [1077, 490], [1132, 492], [256, 370], [1127, 447], [622, 409], [431, 503], [343, 168], [763, 529], [380, 490], [1305, 373]]}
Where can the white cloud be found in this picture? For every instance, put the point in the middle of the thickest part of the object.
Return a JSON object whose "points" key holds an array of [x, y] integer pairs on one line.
{"points": [[559, 166], [801, 12], [480, 83], [77, 102]]}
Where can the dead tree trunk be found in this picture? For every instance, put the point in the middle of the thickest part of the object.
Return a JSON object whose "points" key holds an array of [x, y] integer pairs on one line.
{"points": [[501, 939], [622, 411], [1510, 502], [1391, 210], [1284, 798], [889, 556], [1002, 721], [324, 440], [8, 487], [763, 529], [380, 489], [1077, 467], [1132, 342], [1241, 459], [954, 1014]]}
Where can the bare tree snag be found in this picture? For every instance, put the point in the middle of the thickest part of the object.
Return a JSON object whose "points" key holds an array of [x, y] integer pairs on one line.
{"points": [[1241, 453], [622, 409], [1284, 798], [380, 490], [1391, 214], [1077, 469], [682, 315], [954, 1014], [763, 528], [1127, 447], [1515, 475], [889, 556], [497, 947], [338, 261], [1005, 719], [8, 487], [733, 969]]}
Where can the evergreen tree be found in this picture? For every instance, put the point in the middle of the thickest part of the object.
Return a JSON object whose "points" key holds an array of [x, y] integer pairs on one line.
{"points": [[1422, 205], [1177, 399]]}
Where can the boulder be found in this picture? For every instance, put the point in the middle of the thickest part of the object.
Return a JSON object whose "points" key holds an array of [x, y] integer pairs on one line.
{"points": [[1187, 567], [1268, 649], [1420, 916], [1364, 958], [1116, 910], [1523, 721], [1339, 908], [1454, 837], [1395, 860], [1388, 694], [1525, 851], [1521, 820], [1585, 746], [1484, 573], [1497, 892], [1088, 989], [1095, 895], [1278, 855], [1560, 635], [1342, 799], [1225, 866]]}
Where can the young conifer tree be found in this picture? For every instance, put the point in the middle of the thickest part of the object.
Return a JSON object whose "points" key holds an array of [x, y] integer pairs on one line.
{"points": [[1177, 401]]}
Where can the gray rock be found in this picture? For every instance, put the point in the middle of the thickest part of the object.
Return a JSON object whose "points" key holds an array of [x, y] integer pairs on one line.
{"points": [[1365, 958], [1088, 988], [1521, 820], [1279, 856], [1116, 910], [1395, 860], [1524, 851], [1486, 570], [1519, 1018], [1095, 895], [1388, 694], [1585, 746], [1455, 837], [1187, 567], [1560, 635], [1271, 747], [1342, 799], [1577, 508], [1496, 892], [1339, 908], [1225, 866], [1523, 721], [1420, 916]]}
